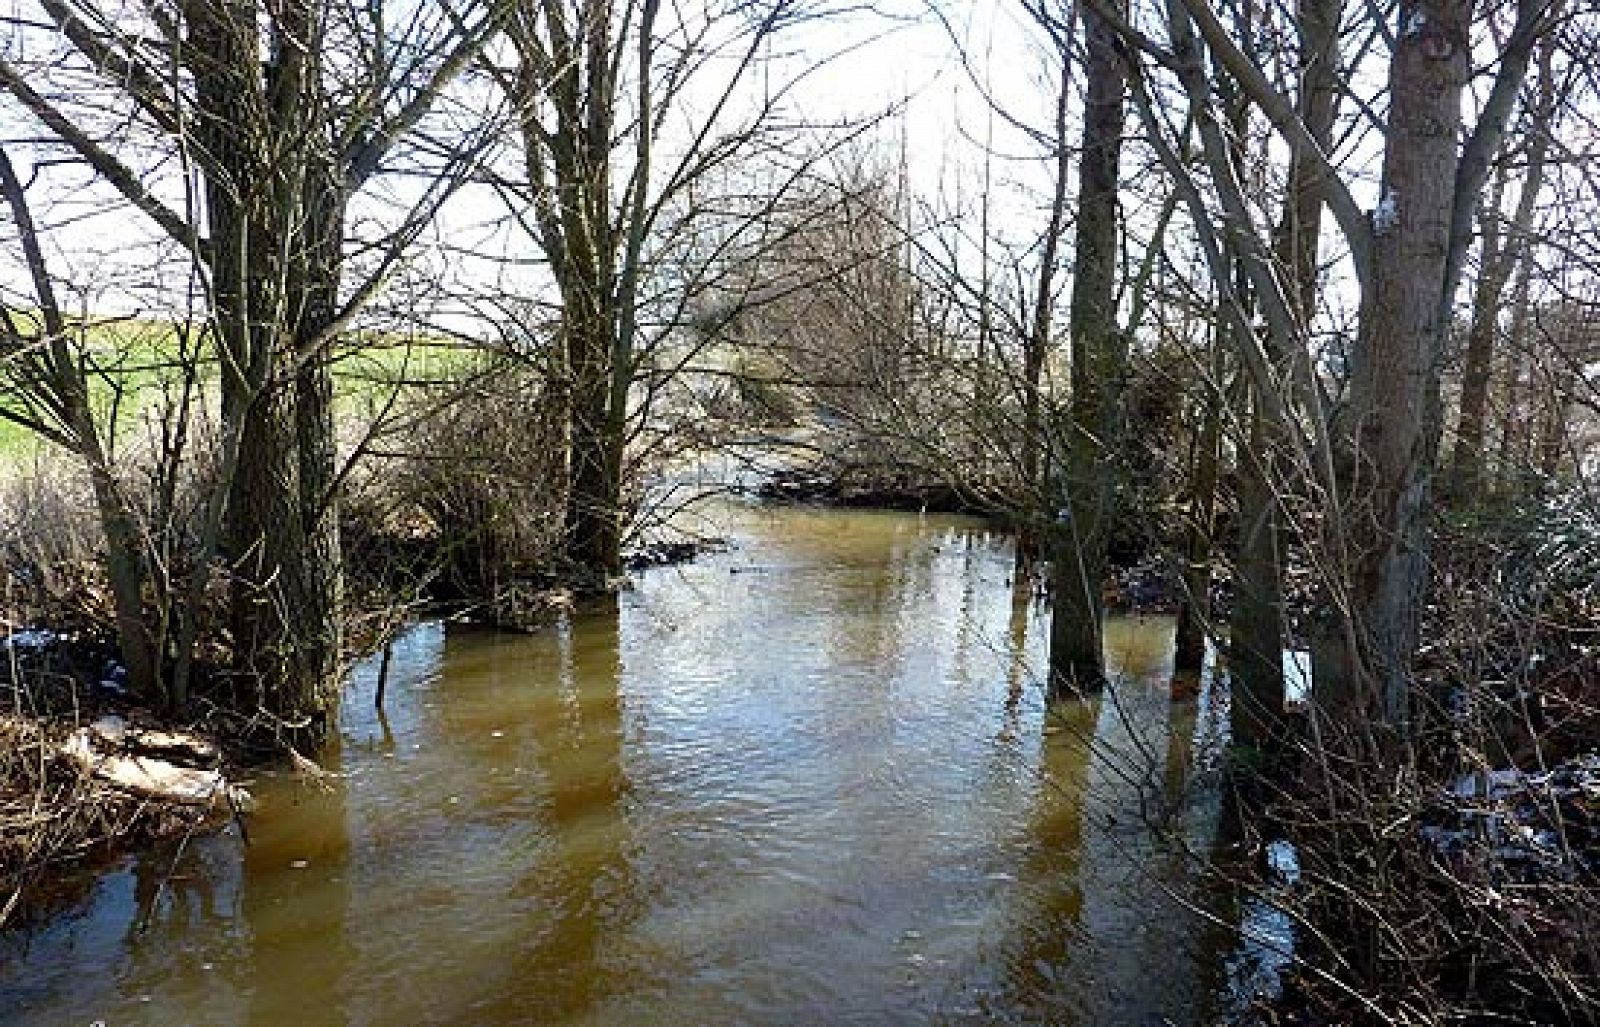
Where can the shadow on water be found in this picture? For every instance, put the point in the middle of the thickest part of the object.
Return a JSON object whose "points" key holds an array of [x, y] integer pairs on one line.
{"points": [[581, 879], [809, 780], [1101, 925], [1045, 924]]}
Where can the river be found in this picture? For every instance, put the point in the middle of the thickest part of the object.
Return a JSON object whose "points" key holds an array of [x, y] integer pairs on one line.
{"points": [[808, 780]]}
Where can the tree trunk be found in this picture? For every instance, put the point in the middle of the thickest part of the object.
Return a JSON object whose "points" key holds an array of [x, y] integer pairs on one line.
{"points": [[276, 223], [1511, 467], [1099, 355], [567, 60], [1466, 465], [1553, 439], [1566, 351], [279, 630], [1399, 349], [1034, 445], [1194, 613], [1255, 653], [320, 633], [593, 538], [128, 572], [1256, 657], [593, 541]]}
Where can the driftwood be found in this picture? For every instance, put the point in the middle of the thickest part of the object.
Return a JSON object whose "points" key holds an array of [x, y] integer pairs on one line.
{"points": [[166, 766]]}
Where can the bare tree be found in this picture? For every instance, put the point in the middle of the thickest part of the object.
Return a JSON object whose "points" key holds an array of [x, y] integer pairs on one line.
{"points": [[281, 147], [58, 385], [1373, 463], [594, 83]]}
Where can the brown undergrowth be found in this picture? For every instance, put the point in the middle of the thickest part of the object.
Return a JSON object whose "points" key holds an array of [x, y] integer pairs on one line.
{"points": [[58, 820], [1454, 876]]}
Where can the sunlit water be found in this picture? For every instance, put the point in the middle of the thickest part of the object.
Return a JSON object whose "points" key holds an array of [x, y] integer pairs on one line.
{"points": [[809, 780]]}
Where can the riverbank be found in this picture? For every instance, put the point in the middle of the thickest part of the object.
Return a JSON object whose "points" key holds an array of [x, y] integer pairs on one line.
{"points": [[86, 777], [865, 488]]}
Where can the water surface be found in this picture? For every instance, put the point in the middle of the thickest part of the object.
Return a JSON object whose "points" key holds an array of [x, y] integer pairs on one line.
{"points": [[808, 780]]}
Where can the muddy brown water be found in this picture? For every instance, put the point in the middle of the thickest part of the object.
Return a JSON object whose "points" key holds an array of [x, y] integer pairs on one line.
{"points": [[808, 780]]}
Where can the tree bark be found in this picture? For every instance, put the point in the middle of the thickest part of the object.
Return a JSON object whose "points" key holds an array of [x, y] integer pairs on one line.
{"points": [[1398, 352], [1099, 357]]}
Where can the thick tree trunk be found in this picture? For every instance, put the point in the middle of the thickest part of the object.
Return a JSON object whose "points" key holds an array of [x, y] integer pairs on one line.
{"points": [[593, 517], [1255, 653], [279, 632], [276, 221], [1399, 349], [588, 321], [1099, 356], [320, 629]]}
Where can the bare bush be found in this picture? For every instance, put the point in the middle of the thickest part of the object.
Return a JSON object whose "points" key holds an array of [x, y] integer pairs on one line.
{"points": [[460, 500], [50, 543]]}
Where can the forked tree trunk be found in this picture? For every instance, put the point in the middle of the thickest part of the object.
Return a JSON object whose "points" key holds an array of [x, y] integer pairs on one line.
{"points": [[276, 228], [568, 61]]}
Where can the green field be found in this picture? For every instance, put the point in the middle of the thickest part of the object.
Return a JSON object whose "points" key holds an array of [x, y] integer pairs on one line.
{"points": [[133, 365]]}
